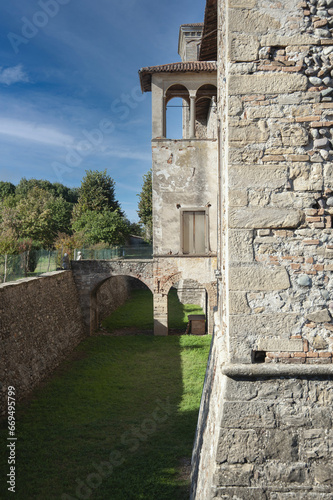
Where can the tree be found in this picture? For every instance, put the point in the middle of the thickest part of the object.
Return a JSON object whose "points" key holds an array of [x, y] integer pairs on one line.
{"points": [[97, 193], [6, 189], [145, 205], [105, 226]]}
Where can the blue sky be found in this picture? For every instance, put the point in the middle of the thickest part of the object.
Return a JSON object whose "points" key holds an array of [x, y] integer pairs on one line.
{"points": [[69, 87]]}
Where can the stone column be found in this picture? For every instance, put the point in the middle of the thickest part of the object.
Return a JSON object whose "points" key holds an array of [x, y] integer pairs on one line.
{"points": [[160, 314], [192, 116], [158, 108]]}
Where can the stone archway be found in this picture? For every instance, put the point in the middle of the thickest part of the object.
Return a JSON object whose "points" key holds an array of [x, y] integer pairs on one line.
{"points": [[89, 276], [120, 293]]}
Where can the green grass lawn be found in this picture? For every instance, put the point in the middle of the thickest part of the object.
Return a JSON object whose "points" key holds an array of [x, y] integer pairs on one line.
{"points": [[138, 312], [115, 422]]}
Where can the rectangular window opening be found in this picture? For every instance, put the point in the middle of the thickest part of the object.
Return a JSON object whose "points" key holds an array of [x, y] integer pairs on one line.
{"points": [[194, 232]]}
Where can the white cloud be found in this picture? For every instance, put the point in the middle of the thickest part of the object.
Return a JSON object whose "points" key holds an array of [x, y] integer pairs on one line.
{"points": [[15, 74], [28, 131]]}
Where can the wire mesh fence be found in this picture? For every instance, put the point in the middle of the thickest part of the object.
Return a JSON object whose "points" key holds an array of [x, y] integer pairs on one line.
{"points": [[27, 264], [36, 262], [121, 252]]}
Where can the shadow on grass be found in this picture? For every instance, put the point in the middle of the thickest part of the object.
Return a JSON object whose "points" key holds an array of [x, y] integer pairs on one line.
{"points": [[114, 422]]}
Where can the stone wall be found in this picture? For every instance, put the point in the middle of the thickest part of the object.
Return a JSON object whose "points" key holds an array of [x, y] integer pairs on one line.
{"points": [[190, 292], [40, 324], [273, 339]]}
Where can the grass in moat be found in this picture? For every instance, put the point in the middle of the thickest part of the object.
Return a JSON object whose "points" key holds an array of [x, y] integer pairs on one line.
{"points": [[137, 312], [115, 422]]}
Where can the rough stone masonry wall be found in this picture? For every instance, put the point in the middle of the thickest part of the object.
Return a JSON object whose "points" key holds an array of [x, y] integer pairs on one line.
{"points": [[40, 324], [275, 440]]}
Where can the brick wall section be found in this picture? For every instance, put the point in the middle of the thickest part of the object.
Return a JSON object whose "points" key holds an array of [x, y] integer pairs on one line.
{"points": [[40, 324]]}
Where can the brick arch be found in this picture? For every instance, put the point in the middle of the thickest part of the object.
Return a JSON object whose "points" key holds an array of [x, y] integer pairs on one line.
{"points": [[168, 282]]}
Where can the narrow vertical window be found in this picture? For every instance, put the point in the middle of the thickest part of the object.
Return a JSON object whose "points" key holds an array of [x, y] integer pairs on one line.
{"points": [[194, 232]]}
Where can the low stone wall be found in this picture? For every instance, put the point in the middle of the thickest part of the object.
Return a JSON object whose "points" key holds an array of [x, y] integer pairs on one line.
{"points": [[40, 324]]}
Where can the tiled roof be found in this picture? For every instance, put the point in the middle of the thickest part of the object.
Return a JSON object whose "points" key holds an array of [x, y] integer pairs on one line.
{"points": [[200, 25], [180, 67]]}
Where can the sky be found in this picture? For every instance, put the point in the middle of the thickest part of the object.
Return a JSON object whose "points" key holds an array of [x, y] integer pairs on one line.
{"points": [[70, 97]]}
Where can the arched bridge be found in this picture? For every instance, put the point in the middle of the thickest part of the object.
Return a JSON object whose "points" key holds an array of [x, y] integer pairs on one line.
{"points": [[158, 274], [90, 274]]}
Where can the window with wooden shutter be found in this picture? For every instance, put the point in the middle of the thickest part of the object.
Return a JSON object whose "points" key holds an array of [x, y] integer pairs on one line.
{"points": [[194, 232]]}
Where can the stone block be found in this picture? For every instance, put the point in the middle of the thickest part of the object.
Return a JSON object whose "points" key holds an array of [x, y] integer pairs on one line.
{"points": [[251, 21], [269, 217], [294, 135], [307, 177], [280, 345], [245, 132], [286, 41], [263, 324], [240, 245], [257, 278], [235, 475], [242, 4], [246, 390], [322, 316], [237, 198], [257, 176], [314, 444], [323, 473], [290, 415], [243, 48], [238, 446], [252, 493], [250, 415], [238, 303], [281, 445], [267, 84], [328, 175]]}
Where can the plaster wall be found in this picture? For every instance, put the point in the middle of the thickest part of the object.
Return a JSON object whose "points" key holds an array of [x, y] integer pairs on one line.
{"points": [[184, 177]]}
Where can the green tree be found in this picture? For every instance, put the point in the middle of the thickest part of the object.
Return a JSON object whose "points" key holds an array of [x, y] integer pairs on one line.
{"points": [[145, 205], [105, 226], [6, 189], [40, 216], [27, 185], [97, 193]]}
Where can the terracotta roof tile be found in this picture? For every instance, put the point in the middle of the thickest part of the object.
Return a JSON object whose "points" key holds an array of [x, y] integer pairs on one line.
{"points": [[179, 67], [192, 24]]}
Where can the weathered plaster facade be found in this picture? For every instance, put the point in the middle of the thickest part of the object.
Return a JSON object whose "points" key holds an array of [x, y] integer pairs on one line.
{"points": [[185, 191]]}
